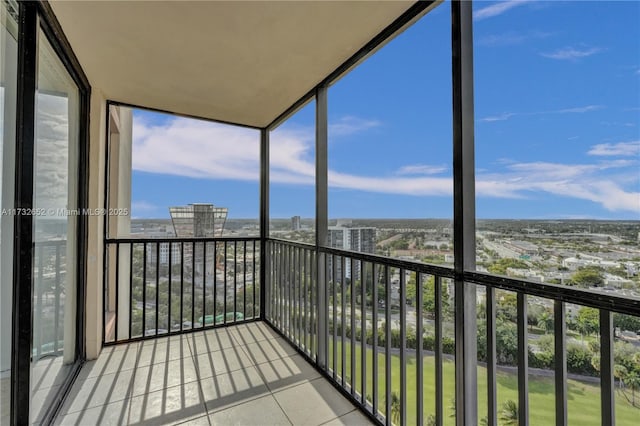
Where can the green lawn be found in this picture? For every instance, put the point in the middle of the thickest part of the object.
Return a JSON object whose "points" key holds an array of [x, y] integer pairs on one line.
{"points": [[583, 399]]}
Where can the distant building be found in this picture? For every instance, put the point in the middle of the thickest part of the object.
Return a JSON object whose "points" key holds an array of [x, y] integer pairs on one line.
{"points": [[295, 223], [355, 239], [574, 263], [198, 220]]}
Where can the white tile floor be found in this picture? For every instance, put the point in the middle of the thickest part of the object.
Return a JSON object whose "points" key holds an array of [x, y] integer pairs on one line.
{"points": [[242, 375]]}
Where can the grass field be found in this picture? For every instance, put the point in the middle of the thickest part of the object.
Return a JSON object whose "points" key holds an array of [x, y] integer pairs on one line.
{"points": [[583, 399]]}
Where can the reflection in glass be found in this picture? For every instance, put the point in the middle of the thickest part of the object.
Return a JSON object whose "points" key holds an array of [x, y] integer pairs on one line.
{"points": [[8, 83], [55, 228]]}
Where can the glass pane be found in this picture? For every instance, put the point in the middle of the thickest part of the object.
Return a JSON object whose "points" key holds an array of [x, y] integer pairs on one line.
{"points": [[389, 148], [292, 163], [172, 176], [557, 142], [55, 229], [8, 80]]}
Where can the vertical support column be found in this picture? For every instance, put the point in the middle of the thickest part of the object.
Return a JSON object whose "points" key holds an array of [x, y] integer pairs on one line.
{"points": [[23, 224], [523, 361], [492, 368], [607, 384], [464, 212], [560, 331], [322, 211], [117, 193], [265, 261]]}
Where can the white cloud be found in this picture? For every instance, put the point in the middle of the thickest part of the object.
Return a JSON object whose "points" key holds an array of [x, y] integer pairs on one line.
{"points": [[616, 149], [571, 53], [52, 149], [198, 149], [510, 38], [580, 181], [587, 108], [501, 117], [142, 206], [497, 9], [349, 125], [508, 115], [422, 169]]}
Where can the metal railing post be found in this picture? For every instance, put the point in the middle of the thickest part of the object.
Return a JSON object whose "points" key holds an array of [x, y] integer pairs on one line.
{"points": [[321, 218], [464, 212], [264, 225]]}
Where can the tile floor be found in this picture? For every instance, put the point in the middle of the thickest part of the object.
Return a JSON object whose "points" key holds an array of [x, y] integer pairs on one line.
{"points": [[241, 375]]}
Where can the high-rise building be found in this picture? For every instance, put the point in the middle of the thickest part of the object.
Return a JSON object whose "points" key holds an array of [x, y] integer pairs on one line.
{"points": [[198, 220], [295, 223], [361, 239]]}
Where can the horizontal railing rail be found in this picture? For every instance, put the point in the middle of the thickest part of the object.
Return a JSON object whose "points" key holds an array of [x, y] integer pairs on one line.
{"points": [[579, 296], [144, 239], [388, 321], [164, 286], [425, 268]]}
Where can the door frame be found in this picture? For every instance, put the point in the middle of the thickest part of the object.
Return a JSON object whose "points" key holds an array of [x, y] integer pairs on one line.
{"points": [[35, 17]]}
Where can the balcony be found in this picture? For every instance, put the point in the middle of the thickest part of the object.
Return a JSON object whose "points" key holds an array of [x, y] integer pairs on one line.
{"points": [[112, 328], [241, 374], [234, 340]]}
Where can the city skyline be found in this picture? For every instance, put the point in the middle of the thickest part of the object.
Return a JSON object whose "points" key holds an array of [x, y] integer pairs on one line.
{"points": [[557, 128]]}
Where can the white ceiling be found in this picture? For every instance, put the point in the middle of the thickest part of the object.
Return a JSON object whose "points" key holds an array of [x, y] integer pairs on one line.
{"points": [[241, 62]]}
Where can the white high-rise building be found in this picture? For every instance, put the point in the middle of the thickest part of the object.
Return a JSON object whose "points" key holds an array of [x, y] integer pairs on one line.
{"points": [[295, 223], [361, 239]]}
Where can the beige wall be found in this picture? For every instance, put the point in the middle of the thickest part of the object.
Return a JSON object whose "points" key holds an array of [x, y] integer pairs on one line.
{"points": [[120, 132], [95, 244], [120, 135]]}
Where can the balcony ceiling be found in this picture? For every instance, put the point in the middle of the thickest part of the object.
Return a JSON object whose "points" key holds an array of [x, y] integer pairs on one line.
{"points": [[241, 62]]}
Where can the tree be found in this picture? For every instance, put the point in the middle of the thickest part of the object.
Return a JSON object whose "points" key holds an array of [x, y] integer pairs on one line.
{"points": [[619, 372], [507, 306], [395, 407], [545, 322], [430, 420], [509, 413], [506, 343], [428, 294], [626, 322], [588, 276], [579, 359], [411, 289], [533, 314], [587, 320], [452, 407], [500, 266], [633, 381]]}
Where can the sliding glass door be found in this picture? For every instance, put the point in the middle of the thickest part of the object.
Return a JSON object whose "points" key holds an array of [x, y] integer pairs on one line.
{"points": [[44, 104], [8, 82], [55, 228]]}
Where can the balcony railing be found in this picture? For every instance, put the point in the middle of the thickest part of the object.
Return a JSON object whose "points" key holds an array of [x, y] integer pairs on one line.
{"points": [[156, 286], [337, 308], [49, 297], [382, 330]]}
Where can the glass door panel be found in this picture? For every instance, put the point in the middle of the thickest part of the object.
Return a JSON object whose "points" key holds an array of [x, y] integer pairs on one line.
{"points": [[55, 219], [8, 87]]}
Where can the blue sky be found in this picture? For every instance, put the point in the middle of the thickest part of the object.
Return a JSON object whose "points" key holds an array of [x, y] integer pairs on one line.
{"points": [[557, 108]]}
